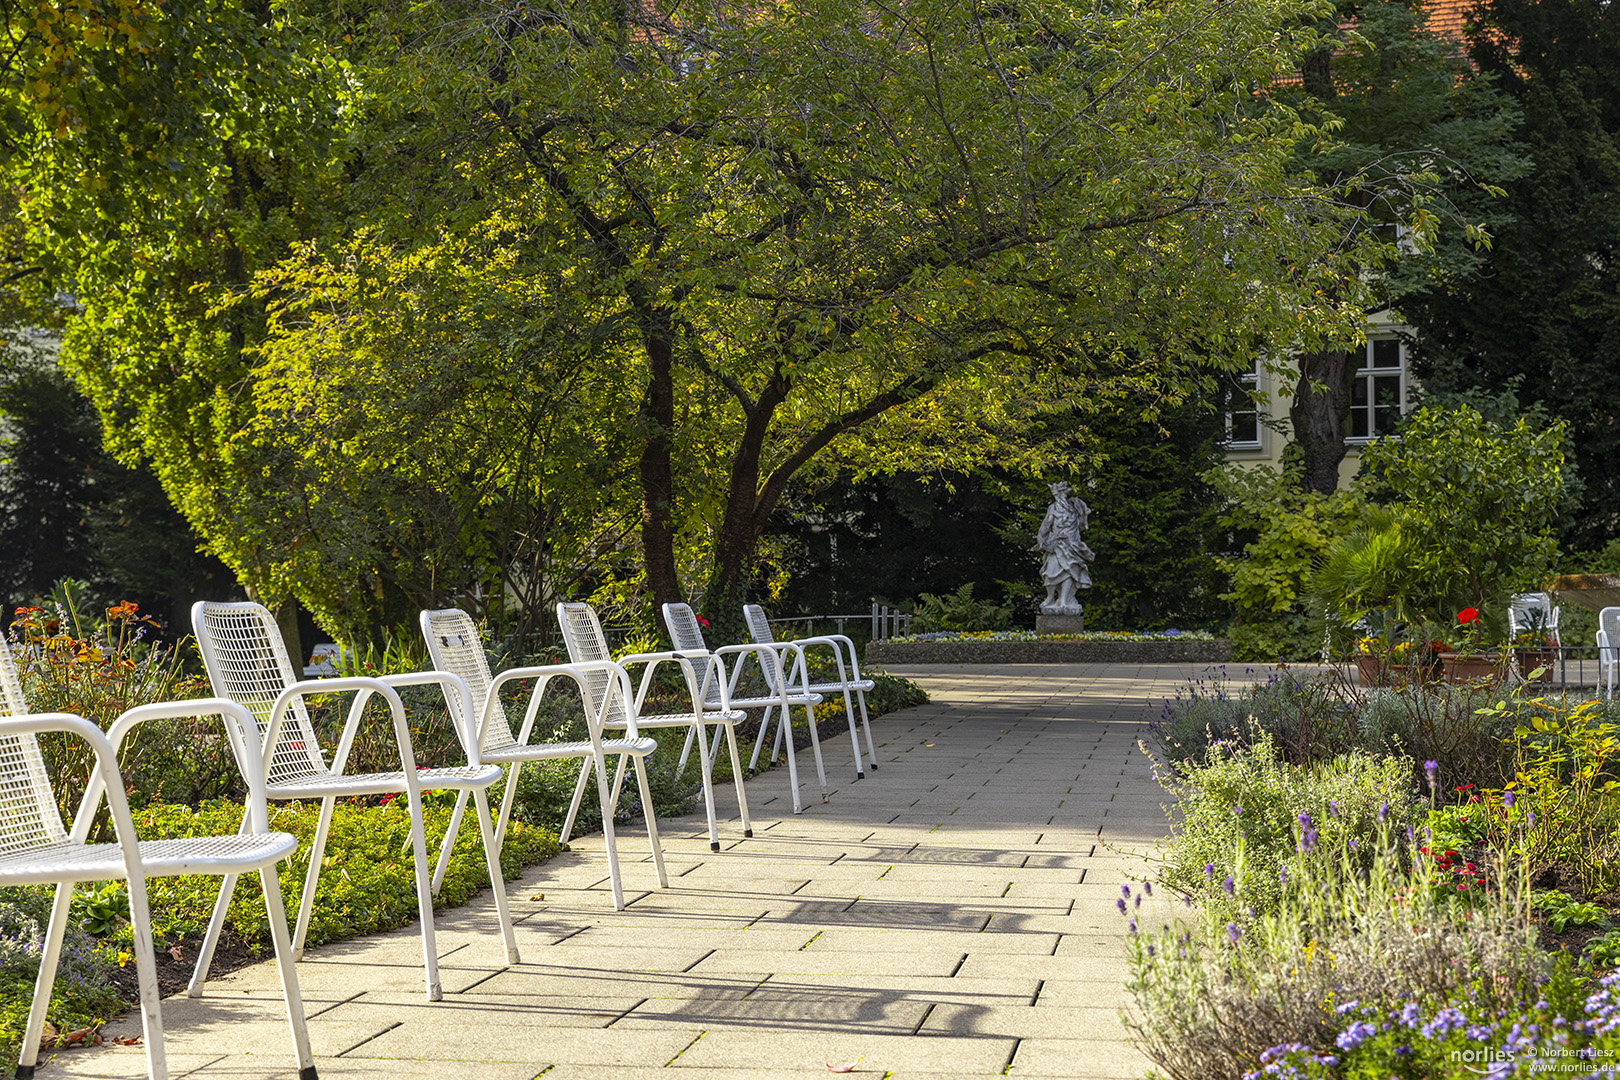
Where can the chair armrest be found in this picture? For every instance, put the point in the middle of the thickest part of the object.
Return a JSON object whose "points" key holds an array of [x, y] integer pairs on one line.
{"points": [[837, 643], [240, 732], [366, 686], [684, 660], [542, 675], [448, 682], [760, 649]]}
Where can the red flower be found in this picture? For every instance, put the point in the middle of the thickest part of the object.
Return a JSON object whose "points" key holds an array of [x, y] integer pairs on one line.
{"points": [[1468, 615]]}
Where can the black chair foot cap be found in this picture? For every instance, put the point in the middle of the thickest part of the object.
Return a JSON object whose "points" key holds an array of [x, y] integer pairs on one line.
{"points": [[748, 832], [307, 1073], [860, 776], [714, 845], [25, 1072]]}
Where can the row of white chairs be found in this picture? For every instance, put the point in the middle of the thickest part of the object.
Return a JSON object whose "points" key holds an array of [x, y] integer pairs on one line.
{"points": [[268, 727]]}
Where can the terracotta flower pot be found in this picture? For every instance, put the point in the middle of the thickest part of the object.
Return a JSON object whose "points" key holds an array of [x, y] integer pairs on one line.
{"points": [[1531, 659], [1370, 669], [1462, 668]]}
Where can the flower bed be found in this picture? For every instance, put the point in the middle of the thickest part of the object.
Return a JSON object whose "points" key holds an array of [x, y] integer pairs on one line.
{"points": [[1028, 647]]}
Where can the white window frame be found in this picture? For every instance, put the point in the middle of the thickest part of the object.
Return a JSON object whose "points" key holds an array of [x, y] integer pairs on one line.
{"points": [[1249, 381], [1365, 376]]}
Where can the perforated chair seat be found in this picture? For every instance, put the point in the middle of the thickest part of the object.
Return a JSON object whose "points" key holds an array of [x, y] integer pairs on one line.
{"points": [[671, 720], [560, 751], [862, 685], [66, 860], [382, 783]]}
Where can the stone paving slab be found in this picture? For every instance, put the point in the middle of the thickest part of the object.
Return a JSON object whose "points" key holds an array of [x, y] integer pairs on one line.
{"points": [[950, 916]]}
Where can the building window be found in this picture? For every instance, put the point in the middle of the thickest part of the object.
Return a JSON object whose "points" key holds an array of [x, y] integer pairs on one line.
{"points": [[1243, 410], [1378, 396]]}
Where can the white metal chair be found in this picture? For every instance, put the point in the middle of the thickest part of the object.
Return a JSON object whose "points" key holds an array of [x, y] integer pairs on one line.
{"points": [[582, 634], [1608, 642], [849, 679], [1528, 611], [687, 637], [453, 644], [35, 849], [247, 662]]}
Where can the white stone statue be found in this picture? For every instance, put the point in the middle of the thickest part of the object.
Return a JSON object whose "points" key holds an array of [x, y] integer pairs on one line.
{"points": [[1063, 570]]}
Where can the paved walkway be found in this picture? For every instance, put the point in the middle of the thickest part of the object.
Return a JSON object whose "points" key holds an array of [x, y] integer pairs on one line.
{"points": [[950, 916]]}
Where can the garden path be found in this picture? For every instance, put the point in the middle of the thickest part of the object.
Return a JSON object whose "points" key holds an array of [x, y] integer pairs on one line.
{"points": [[953, 915]]}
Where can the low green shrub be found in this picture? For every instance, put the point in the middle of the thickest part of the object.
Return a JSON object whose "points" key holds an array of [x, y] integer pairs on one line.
{"points": [[83, 996], [1355, 940], [1240, 811]]}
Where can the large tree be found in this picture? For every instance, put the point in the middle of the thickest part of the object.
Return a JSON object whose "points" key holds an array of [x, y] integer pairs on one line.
{"points": [[837, 233], [1420, 141], [1542, 318]]}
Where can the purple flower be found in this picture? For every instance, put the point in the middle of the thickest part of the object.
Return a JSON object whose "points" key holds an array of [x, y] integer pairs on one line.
{"points": [[1431, 769], [1304, 820], [1383, 813], [1229, 885], [1530, 819], [1507, 800], [1131, 926], [1233, 933], [1125, 891], [1307, 841], [1282, 876], [1121, 905], [1357, 1033], [1209, 871], [1237, 809], [1333, 808], [1352, 843], [1147, 888]]}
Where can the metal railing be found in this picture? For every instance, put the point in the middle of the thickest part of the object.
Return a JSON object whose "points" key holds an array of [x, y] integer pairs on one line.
{"points": [[885, 622]]}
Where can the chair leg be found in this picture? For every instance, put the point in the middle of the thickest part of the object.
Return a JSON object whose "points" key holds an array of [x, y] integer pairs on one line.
{"points": [[140, 919], [651, 819], [46, 980], [288, 971], [497, 879], [784, 731], [737, 777], [686, 750], [317, 851], [448, 846], [507, 802], [609, 838], [866, 724], [815, 748], [708, 783], [424, 898], [854, 739], [759, 740], [573, 806], [618, 781], [216, 921]]}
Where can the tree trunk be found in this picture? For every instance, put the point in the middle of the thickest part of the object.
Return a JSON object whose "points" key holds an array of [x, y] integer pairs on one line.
{"points": [[658, 475], [745, 515], [1320, 409]]}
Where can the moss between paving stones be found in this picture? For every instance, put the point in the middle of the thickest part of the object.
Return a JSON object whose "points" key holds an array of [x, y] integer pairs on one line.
{"points": [[1218, 651]]}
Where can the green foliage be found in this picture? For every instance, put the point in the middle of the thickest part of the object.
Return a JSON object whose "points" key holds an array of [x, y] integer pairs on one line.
{"points": [[1542, 317], [1603, 951], [959, 611], [1288, 528], [367, 884], [1238, 816], [1351, 927], [1478, 503], [101, 911], [386, 325], [83, 994], [1559, 911]]}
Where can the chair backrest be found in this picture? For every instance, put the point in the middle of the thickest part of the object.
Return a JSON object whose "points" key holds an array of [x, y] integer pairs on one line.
{"points": [[1527, 609], [454, 646], [1609, 624], [759, 627], [684, 632], [247, 662], [28, 815], [583, 637]]}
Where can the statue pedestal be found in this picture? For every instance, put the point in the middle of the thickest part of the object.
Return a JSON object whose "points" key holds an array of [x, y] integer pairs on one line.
{"points": [[1060, 624]]}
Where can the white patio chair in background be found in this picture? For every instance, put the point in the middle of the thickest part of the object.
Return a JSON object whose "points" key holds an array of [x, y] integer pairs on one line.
{"points": [[1608, 643], [687, 637], [849, 679], [582, 634], [247, 662], [453, 644], [35, 849], [1527, 610]]}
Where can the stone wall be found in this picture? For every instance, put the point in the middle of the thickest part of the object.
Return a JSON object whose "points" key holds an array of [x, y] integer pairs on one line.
{"points": [[885, 654]]}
